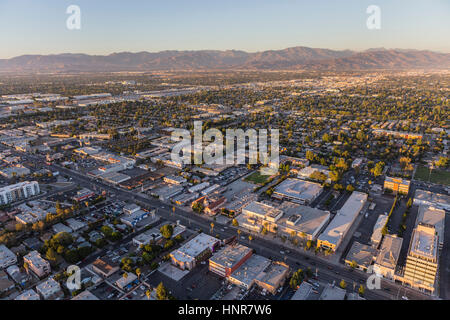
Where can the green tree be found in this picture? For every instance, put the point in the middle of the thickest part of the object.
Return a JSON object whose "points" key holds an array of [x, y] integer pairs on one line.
{"points": [[161, 292], [166, 231]]}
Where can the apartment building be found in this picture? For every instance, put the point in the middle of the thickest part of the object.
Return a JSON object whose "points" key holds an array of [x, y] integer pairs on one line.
{"points": [[18, 191], [37, 264]]}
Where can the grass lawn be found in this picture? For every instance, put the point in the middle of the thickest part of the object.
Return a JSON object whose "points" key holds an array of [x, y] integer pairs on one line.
{"points": [[437, 176], [257, 178]]}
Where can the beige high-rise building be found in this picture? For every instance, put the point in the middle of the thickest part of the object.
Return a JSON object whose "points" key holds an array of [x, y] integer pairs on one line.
{"points": [[422, 261]]}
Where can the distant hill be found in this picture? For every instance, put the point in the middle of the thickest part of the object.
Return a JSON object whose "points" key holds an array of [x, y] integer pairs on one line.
{"points": [[290, 58]]}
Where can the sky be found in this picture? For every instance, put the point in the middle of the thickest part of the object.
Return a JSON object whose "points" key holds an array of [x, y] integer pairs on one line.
{"points": [[39, 26]]}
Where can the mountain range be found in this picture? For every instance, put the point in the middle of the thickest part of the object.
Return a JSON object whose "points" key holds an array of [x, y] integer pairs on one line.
{"points": [[286, 59]]}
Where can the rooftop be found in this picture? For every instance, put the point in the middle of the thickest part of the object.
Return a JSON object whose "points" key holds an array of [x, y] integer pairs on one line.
{"points": [[344, 218], [230, 255], [250, 269], [424, 242], [298, 189], [389, 251], [195, 247]]}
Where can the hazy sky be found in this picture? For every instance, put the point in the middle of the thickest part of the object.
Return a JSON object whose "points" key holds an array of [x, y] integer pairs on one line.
{"points": [[39, 26]]}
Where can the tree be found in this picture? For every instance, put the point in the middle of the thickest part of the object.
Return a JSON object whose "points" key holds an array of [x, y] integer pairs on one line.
{"points": [[361, 290], [350, 188], [161, 292], [125, 275], [212, 227], [166, 231], [250, 238], [343, 284], [235, 223], [148, 294], [138, 273], [409, 203]]}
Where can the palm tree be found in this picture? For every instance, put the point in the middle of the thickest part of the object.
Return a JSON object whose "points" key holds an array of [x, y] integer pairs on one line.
{"points": [[147, 293], [212, 226], [239, 232], [125, 275], [250, 238]]}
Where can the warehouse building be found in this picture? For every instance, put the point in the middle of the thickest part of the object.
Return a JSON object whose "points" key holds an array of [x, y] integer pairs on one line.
{"points": [[336, 231]]}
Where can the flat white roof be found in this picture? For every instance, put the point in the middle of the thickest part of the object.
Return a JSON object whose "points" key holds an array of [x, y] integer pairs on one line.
{"points": [[344, 218], [298, 189], [194, 247]]}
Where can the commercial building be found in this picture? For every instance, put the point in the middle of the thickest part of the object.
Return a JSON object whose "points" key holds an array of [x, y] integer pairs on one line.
{"points": [[85, 295], [48, 289], [307, 172], [28, 295], [245, 275], [304, 221], [273, 277], [15, 171], [258, 214], [360, 256], [335, 232], [332, 293], [296, 190], [303, 291], [377, 234], [37, 264], [387, 258], [133, 217], [5, 284], [7, 257], [428, 198], [75, 224], [127, 282], [83, 194], [59, 227], [422, 260], [18, 191], [104, 267], [397, 185], [227, 260], [167, 192], [174, 180], [198, 249]]}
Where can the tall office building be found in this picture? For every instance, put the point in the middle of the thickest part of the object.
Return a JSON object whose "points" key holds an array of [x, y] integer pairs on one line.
{"points": [[422, 261]]}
